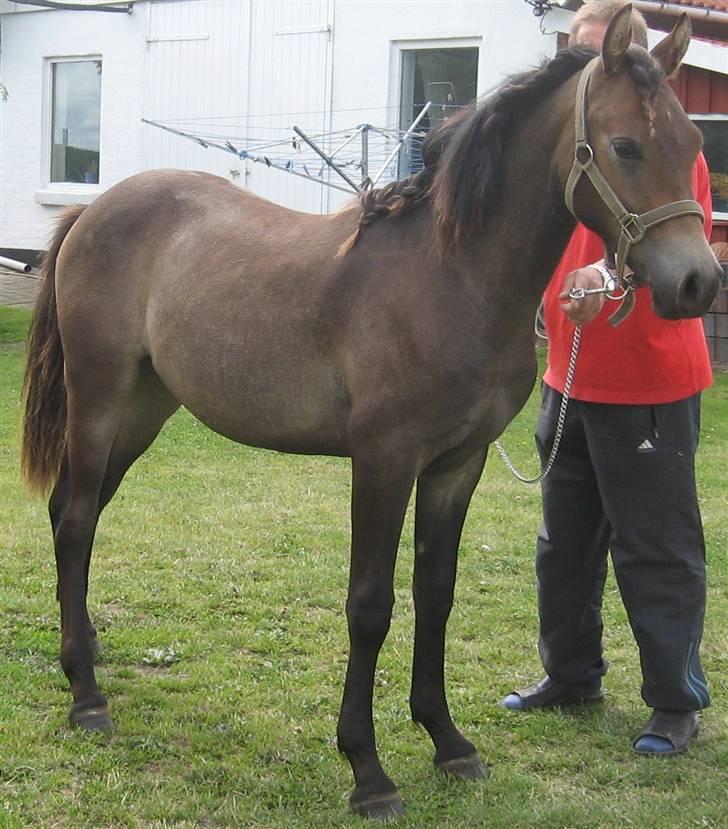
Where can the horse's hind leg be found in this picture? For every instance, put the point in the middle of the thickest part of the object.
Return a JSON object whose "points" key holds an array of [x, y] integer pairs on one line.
{"points": [[145, 412], [56, 505], [444, 491], [90, 436], [106, 433]]}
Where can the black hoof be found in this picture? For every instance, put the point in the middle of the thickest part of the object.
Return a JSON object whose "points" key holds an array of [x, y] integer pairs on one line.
{"points": [[92, 719], [466, 768], [377, 807]]}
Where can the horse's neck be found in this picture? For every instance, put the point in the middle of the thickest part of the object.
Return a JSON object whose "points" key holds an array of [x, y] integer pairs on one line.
{"points": [[524, 240]]}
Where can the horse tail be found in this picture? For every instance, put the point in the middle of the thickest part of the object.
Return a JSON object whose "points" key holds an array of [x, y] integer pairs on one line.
{"points": [[44, 387]]}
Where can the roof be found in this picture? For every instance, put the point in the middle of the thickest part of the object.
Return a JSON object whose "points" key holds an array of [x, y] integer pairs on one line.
{"points": [[73, 5], [716, 5], [664, 6]]}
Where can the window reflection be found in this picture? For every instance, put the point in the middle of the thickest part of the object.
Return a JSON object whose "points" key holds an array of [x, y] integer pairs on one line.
{"points": [[448, 78], [75, 121]]}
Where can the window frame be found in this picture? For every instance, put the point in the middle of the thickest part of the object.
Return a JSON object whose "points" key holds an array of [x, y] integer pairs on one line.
{"points": [[64, 192], [718, 215], [397, 46]]}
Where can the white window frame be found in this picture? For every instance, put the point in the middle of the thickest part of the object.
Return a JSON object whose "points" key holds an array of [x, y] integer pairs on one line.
{"points": [[396, 63], [718, 215], [63, 192], [399, 45]]}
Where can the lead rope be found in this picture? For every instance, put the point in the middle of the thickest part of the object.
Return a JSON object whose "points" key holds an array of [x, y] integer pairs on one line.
{"points": [[559, 421]]}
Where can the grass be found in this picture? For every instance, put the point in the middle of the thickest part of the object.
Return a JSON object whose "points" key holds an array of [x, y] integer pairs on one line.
{"points": [[218, 583], [13, 324]]}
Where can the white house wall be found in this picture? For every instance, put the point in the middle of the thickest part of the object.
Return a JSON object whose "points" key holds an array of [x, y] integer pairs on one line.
{"points": [[28, 39], [290, 73], [244, 64], [196, 70], [368, 35]]}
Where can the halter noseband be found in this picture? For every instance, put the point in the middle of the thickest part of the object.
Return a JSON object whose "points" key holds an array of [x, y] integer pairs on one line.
{"points": [[633, 226]]}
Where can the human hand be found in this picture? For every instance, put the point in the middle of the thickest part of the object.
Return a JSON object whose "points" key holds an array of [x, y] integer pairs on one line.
{"points": [[582, 311]]}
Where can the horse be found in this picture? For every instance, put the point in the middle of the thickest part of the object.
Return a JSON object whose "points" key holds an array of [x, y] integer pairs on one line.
{"points": [[396, 331]]}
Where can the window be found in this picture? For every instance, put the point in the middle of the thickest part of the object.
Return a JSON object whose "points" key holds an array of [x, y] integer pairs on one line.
{"points": [[715, 148], [447, 77], [75, 121]]}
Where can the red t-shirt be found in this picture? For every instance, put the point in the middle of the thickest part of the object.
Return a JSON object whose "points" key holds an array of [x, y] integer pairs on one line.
{"points": [[645, 359]]}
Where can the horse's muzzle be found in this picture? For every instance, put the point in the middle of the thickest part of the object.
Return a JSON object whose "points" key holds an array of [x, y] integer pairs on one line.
{"points": [[690, 296]]}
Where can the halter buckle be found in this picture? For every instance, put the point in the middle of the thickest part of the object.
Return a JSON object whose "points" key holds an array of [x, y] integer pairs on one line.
{"points": [[633, 228]]}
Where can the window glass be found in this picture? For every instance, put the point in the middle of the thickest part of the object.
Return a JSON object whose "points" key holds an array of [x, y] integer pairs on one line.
{"points": [[715, 149], [75, 121], [448, 78]]}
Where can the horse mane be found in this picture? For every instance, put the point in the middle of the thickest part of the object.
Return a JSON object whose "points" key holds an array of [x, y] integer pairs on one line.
{"points": [[462, 173]]}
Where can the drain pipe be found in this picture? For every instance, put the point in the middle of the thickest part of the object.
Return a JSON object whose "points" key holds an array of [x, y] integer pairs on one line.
{"points": [[13, 264], [693, 12]]}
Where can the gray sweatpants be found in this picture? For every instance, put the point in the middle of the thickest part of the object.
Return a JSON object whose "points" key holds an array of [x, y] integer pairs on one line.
{"points": [[624, 481]]}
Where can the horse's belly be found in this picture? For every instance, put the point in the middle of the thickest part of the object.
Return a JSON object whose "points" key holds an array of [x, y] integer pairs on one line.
{"points": [[288, 403], [286, 427]]}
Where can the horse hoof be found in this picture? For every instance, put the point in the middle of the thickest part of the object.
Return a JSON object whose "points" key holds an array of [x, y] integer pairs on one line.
{"points": [[92, 719], [465, 768], [377, 807]]}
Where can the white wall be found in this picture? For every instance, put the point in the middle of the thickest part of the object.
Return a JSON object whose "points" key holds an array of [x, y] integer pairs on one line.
{"points": [[27, 40], [367, 35], [241, 59], [208, 62]]}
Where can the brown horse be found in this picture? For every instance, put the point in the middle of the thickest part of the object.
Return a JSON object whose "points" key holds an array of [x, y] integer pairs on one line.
{"points": [[409, 352]]}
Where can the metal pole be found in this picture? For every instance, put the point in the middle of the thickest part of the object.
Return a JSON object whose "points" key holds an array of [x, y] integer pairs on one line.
{"points": [[348, 140], [365, 154], [402, 140], [326, 158], [229, 148]]}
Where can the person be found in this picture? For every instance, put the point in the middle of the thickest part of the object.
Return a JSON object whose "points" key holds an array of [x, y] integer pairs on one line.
{"points": [[624, 480]]}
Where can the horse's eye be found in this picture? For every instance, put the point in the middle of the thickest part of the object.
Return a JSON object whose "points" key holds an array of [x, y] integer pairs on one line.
{"points": [[626, 148]]}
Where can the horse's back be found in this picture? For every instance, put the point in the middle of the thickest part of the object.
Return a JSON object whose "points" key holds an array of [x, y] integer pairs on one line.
{"points": [[224, 292]]}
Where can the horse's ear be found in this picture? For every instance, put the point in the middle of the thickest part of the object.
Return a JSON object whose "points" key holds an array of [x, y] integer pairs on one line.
{"points": [[617, 40], [670, 51]]}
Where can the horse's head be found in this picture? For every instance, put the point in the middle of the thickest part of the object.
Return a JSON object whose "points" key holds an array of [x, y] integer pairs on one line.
{"points": [[631, 181]]}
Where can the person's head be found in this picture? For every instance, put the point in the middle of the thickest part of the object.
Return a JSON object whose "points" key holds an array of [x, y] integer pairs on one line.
{"points": [[589, 24]]}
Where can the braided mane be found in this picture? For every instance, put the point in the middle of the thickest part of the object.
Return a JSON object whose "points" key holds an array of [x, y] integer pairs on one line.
{"points": [[395, 198], [462, 172]]}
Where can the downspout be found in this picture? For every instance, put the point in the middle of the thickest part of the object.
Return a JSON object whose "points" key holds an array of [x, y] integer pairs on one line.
{"points": [[248, 92], [14, 264], [3, 97], [329, 94]]}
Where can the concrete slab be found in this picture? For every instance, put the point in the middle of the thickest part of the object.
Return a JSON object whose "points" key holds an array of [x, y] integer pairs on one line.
{"points": [[18, 290]]}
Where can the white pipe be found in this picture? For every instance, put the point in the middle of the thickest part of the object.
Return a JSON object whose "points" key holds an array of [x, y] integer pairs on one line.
{"points": [[658, 7], [15, 265]]}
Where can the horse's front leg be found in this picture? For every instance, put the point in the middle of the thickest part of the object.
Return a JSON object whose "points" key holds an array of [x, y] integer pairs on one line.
{"points": [[444, 491], [380, 494]]}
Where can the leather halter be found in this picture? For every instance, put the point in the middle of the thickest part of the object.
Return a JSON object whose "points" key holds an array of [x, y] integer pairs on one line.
{"points": [[633, 226]]}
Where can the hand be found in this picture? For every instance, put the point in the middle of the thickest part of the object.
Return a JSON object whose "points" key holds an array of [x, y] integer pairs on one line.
{"points": [[582, 311]]}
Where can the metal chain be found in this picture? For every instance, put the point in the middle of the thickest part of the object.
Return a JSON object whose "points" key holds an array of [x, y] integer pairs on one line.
{"points": [[559, 421]]}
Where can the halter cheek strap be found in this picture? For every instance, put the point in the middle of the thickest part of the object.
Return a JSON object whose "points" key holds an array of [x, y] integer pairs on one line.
{"points": [[633, 226]]}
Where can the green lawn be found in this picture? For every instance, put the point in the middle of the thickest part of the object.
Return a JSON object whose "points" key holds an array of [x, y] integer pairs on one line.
{"points": [[218, 584]]}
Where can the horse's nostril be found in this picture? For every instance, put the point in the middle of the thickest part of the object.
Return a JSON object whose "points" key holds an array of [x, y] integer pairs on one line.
{"points": [[690, 290]]}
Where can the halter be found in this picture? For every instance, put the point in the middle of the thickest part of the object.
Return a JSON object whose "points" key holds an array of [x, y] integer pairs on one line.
{"points": [[633, 226]]}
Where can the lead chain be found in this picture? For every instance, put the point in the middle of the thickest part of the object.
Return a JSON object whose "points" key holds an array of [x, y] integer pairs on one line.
{"points": [[561, 419]]}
